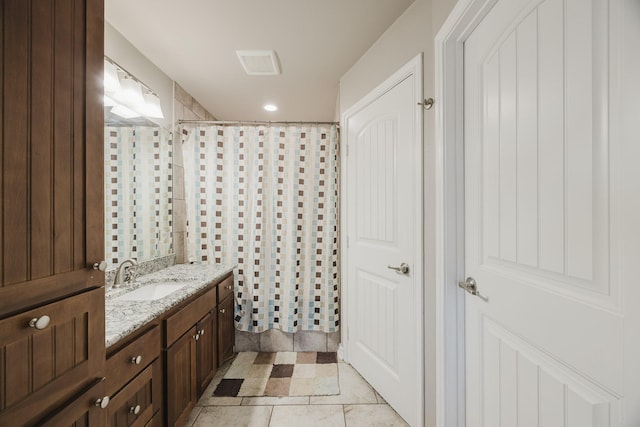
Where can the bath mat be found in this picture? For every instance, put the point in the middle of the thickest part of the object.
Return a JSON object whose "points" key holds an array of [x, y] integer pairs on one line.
{"points": [[255, 374]]}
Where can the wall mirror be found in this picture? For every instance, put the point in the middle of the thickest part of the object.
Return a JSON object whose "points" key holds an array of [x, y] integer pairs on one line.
{"points": [[138, 183]]}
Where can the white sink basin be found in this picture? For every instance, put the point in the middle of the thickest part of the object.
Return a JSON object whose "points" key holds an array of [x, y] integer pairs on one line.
{"points": [[151, 292]]}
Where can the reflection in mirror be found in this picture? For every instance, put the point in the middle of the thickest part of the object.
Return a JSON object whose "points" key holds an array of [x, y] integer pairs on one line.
{"points": [[138, 190]]}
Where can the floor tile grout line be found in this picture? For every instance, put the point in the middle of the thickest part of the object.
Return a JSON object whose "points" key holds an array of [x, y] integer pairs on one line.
{"points": [[344, 416]]}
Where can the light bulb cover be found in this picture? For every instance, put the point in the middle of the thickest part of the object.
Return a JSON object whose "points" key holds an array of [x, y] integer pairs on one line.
{"points": [[111, 80], [124, 112], [130, 94], [270, 107], [152, 107]]}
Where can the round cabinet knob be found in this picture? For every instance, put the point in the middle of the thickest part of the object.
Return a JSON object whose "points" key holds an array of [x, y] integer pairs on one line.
{"points": [[102, 266], [136, 360], [229, 287], [201, 331], [222, 310], [103, 402], [135, 410], [39, 322]]}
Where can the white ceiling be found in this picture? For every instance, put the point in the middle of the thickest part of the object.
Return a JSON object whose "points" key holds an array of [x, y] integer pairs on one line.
{"points": [[317, 41]]}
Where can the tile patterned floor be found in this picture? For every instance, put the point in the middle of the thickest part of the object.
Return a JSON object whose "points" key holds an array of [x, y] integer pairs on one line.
{"points": [[357, 405]]}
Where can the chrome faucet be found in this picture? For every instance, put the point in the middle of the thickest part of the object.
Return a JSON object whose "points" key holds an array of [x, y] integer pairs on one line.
{"points": [[121, 273]]}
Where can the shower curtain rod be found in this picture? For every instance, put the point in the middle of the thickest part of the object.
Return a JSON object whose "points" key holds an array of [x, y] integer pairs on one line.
{"points": [[241, 122]]}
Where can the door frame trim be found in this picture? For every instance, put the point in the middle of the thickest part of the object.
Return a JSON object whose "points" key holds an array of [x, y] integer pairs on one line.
{"points": [[449, 204], [413, 67]]}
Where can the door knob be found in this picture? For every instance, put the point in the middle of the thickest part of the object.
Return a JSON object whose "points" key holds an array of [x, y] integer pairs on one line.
{"points": [[101, 266], [135, 410], [136, 360], [39, 322], [471, 287], [403, 269], [103, 402]]}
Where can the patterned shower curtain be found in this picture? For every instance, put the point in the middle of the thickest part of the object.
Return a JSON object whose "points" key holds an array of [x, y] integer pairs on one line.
{"points": [[266, 198], [137, 186]]}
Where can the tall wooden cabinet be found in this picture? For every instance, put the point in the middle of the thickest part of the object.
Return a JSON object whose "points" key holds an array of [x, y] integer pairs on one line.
{"points": [[51, 209]]}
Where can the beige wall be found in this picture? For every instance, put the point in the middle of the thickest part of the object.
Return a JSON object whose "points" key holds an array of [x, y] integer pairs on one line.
{"points": [[411, 34]]}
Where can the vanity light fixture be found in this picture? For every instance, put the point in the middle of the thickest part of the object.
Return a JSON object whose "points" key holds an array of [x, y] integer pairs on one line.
{"points": [[270, 107], [128, 96]]}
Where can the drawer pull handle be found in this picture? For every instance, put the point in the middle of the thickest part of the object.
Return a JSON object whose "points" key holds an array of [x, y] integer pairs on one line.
{"points": [[222, 310], [39, 322], [136, 360], [103, 402], [135, 410]]}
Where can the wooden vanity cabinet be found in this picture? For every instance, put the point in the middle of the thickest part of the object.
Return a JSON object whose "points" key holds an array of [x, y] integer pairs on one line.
{"points": [[192, 334]]}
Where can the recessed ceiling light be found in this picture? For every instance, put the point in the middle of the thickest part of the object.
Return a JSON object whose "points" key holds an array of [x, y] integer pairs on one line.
{"points": [[271, 107]]}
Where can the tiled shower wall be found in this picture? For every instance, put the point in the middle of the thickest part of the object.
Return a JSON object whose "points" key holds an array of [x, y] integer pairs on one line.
{"points": [[185, 107]]}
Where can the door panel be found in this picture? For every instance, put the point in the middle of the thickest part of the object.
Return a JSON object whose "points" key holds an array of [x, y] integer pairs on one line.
{"points": [[52, 146], [384, 202], [544, 343]]}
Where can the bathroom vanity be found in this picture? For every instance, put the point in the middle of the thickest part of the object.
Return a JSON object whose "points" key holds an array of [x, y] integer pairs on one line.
{"points": [[166, 336]]}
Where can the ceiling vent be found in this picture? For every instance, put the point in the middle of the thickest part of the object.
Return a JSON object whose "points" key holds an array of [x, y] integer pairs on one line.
{"points": [[259, 62]]}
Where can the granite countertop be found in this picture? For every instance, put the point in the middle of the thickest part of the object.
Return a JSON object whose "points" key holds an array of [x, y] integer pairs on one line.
{"points": [[124, 317]]}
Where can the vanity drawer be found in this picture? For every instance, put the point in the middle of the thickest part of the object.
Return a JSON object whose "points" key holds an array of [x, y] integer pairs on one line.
{"points": [[127, 362], [225, 288], [183, 320], [137, 402]]}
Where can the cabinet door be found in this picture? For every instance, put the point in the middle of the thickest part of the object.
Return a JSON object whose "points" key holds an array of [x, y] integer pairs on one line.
{"points": [[43, 367], [226, 330], [51, 150], [207, 353], [181, 378]]}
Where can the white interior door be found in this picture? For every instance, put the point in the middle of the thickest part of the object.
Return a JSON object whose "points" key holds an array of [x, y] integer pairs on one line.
{"points": [[544, 202], [384, 214]]}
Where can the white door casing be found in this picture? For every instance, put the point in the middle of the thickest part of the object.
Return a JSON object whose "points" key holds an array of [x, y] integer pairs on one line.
{"points": [[548, 343], [383, 218]]}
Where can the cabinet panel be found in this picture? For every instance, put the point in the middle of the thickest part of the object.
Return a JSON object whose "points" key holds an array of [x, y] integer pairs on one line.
{"points": [[178, 323], [133, 358], [207, 352], [225, 288], [226, 330], [136, 403], [44, 367], [181, 378], [51, 145], [81, 411]]}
